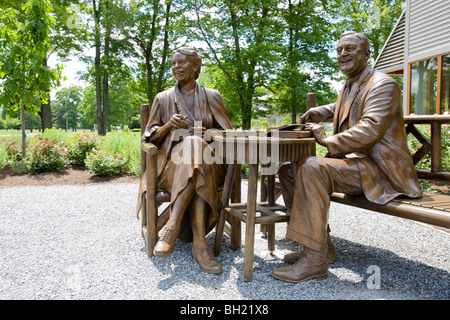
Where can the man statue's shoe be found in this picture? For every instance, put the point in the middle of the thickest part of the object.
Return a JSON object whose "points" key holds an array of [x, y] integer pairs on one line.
{"points": [[292, 257], [303, 269], [206, 260], [166, 244]]}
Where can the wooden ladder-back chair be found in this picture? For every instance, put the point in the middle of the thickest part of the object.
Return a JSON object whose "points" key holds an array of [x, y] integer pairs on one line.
{"points": [[151, 199]]}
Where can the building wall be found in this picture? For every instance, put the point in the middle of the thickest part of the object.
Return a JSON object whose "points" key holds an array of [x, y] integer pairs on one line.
{"points": [[427, 26]]}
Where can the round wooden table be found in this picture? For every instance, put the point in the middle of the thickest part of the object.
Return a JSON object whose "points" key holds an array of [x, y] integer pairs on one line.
{"points": [[256, 150]]}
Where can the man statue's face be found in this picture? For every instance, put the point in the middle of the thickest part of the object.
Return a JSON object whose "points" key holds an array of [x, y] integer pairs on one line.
{"points": [[182, 68], [352, 56]]}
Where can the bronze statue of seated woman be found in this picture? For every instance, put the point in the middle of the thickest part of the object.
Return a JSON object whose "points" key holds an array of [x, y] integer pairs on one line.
{"points": [[194, 184]]}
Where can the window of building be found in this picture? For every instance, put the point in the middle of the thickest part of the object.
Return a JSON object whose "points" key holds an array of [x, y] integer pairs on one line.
{"points": [[429, 86], [423, 87]]}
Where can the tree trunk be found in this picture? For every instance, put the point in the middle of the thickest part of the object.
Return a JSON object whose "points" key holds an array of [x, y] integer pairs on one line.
{"points": [[46, 111], [246, 115], [46, 115], [165, 48], [22, 116], [149, 68], [106, 122], [98, 79], [293, 115]]}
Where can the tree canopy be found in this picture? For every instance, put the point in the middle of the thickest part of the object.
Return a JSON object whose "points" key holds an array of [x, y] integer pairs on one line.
{"points": [[263, 56]]}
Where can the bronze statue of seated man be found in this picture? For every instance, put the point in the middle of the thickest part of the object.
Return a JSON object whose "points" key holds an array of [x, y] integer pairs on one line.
{"points": [[367, 154]]}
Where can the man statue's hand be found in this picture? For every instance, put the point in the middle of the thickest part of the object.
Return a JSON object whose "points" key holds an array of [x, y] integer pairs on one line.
{"points": [[304, 118], [318, 132]]}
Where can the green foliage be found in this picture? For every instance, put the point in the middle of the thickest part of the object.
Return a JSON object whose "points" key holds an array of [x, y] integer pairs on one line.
{"points": [[425, 163], [57, 134], [263, 56], [87, 107], [18, 167], [65, 112], [243, 41], [375, 18], [127, 144], [154, 32], [23, 56], [46, 155], [13, 148], [106, 163], [124, 99], [11, 122], [3, 154], [82, 147], [445, 135], [118, 152]]}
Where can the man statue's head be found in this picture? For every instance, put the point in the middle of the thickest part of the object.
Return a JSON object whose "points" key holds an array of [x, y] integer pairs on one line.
{"points": [[353, 52]]}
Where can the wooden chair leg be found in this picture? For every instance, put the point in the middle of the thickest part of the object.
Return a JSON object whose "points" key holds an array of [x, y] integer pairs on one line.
{"points": [[144, 215], [151, 205], [270, 236], [250, 223], [235, 223], [236, 236], [263, 192], [223, 214]]}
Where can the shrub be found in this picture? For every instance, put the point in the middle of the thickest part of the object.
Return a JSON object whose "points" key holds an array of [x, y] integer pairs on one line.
{"points": [[18, 167], [106, 163], [14, 148], [3, 154], [128, 145], [81, 147], [445, 147], [44, 155], [425, 163]]}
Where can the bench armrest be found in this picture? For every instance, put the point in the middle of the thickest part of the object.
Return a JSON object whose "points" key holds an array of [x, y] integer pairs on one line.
{"points": [[149, 148]]}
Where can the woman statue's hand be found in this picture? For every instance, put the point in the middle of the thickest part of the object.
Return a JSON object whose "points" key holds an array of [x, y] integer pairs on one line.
{"points": [[178, 121]]}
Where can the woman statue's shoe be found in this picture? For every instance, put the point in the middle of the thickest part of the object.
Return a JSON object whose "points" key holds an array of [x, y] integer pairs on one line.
{"points": [[166, 244], [206, 260]]}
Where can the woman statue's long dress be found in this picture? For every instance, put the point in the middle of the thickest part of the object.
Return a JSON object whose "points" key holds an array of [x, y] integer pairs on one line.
{"points": [[187, 110]]}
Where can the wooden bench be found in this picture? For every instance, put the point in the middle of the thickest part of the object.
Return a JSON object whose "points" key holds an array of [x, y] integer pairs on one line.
{"points": [[432, 208]]}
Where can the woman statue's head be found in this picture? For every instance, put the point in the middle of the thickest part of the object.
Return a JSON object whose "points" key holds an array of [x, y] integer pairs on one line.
{"points": [[185, 60]]}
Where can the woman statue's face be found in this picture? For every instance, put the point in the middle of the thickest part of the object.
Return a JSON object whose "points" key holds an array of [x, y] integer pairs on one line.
{"points": [[183, 69]]}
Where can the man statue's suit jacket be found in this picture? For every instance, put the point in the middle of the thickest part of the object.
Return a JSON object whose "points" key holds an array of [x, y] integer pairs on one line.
{"points": [[369, 128]]}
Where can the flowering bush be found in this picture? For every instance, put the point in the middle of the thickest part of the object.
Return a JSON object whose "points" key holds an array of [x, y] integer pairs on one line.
{"points": [[127, 144], [14, 148], [106, 162], [83, 145], [45, 155], [3, 154]]}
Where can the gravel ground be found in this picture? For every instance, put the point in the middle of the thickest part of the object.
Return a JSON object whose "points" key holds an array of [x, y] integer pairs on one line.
{"points": [[84, 242]]}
